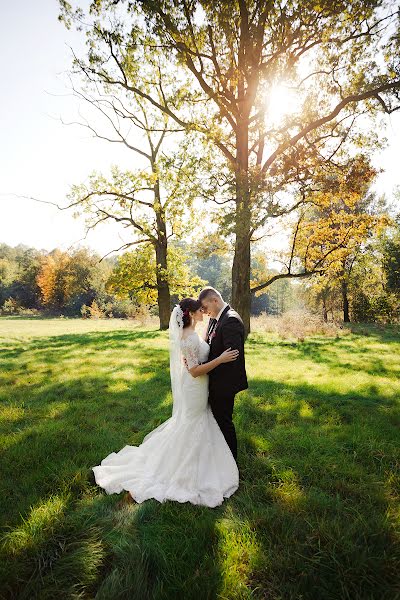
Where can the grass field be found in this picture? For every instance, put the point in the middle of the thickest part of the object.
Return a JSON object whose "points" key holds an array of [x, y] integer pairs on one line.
{"points": [[316, 515]]}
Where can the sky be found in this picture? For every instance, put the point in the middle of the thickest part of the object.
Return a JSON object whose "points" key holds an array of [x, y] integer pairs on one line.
{"points": [[41, 157]]}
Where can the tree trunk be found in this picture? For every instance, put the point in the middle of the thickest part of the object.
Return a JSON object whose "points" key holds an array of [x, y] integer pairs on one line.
{"points": [[324, 308], [346, 317], [325, 313], [161, 247], [241, 297], [163, 294]]}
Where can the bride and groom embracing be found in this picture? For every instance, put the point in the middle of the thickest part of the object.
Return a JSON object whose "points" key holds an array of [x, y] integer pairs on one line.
{"points": [[191, 457]]}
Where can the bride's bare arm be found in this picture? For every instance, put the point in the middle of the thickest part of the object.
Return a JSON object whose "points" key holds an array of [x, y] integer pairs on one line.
{"points": [[227, 356]]}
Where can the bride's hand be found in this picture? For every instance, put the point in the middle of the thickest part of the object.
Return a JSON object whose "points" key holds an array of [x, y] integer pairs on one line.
{"points": [[229, 355]]}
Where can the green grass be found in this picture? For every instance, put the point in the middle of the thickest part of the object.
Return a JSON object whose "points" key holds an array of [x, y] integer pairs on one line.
{"points": [[316, 516]]}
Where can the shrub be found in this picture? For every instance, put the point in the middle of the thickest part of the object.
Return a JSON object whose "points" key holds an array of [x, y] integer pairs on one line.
{"points": [[119, 309], [123, 309], [10, 307], [93, 311], [378, 309]]}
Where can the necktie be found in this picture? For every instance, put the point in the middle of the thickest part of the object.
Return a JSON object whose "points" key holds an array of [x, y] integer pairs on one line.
{"points": [[212, 327]]}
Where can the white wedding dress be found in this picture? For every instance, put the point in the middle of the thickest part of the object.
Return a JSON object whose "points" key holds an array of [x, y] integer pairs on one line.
{"points": [[186, 458]]}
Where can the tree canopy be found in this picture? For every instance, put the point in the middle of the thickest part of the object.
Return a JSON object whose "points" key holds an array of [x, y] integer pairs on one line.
{"points": [[340, 60]]}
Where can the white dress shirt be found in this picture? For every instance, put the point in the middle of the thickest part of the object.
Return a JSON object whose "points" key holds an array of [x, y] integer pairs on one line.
{"points": [[221, 311], [214, 325]]}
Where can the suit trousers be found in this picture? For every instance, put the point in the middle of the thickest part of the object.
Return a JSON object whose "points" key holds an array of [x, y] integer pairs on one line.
{"points": [[221, 404]]}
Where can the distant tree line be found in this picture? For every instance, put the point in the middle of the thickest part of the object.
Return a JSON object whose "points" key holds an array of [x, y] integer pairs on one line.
{"points": [[363, 286], [78, 282]]}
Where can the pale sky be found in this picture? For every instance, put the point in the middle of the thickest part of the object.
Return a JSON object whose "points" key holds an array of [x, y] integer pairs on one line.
{"points": [[41, 157]]}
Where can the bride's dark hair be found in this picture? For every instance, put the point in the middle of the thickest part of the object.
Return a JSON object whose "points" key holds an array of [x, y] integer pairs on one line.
{"points": [[188, 304]]}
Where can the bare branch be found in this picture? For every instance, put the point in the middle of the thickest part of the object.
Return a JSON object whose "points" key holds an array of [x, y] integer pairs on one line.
{"points": [[124, 247], [329, 117], [284, 276]]}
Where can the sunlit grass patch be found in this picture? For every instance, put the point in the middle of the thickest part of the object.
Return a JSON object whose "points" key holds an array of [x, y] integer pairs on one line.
{"points": [[38, 525], [237, 554], [11, 413]]}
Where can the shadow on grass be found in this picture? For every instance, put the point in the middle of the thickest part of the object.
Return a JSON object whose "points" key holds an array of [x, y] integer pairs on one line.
{"points": [[383, 333], [53, 411], [94, 547], [339, 353], [90, 545], [73, 343], [334, 353], [309, 520], [318, 490], [76, 423]]}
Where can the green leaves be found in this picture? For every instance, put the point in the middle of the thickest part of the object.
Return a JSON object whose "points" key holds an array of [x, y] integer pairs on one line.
{"points": [[135, 276]]}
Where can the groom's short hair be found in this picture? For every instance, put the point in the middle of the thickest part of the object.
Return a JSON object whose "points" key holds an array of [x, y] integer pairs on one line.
{"points": [[209, 292]]}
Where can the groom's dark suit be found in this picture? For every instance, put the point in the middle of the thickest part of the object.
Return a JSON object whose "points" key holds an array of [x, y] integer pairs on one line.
{"points": [[228, 378]]}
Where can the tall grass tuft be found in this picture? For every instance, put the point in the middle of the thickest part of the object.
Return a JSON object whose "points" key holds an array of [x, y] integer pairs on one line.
{"points": [[296, 324]]}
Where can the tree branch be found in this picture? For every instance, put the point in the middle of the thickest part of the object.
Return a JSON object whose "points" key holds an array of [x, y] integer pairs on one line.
{"points": [[318, 122]]}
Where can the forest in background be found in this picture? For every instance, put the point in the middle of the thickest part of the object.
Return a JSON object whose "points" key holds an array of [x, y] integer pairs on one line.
{"points": [[80, 283]]}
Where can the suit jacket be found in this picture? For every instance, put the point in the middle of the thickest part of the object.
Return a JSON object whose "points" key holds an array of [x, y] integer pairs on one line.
{"points": [[230, 377]]}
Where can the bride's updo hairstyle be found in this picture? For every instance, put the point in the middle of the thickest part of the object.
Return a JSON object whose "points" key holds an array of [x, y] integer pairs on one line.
{"points": [[188, 305]]}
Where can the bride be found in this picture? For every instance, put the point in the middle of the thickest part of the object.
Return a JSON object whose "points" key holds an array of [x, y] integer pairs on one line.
{"points": [[186, 458]]}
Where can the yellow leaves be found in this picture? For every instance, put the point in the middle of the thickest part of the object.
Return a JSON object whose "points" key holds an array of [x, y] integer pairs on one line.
{"points": [[338, 222], [181, 280], [135, 276], [46, 278], [212, 243], [382, 222], [259, 271]]}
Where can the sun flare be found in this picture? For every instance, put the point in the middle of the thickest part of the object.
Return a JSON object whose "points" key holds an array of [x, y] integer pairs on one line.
{"points": [[282, 101]]}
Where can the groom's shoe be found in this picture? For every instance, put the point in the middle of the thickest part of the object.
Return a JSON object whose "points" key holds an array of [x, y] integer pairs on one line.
{"points": [[126, 500], [91, 477]]}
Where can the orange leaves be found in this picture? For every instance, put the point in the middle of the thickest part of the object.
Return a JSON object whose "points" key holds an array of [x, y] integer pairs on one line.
{"points": [[63, 276], [50, 278]]}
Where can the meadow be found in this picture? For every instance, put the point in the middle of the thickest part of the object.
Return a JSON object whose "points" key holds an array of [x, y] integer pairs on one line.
{"points": [[316, 516]]}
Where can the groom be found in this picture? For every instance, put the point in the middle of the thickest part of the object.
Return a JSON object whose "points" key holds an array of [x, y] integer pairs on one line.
{"points": [[225, 330]]}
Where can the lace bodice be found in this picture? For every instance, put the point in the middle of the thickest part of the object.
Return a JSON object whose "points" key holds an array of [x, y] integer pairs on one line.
{"points": [[194, 349]]}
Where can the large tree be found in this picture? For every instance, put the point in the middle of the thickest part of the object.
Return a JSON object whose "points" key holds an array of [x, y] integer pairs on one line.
{"points": [[340, 58], [152, 201]]}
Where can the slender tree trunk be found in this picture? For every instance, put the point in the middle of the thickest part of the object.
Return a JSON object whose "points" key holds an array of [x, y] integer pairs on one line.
{"points": [[324, 298], [346, 317], [325, 312], [241, 297], [161, 247]]}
